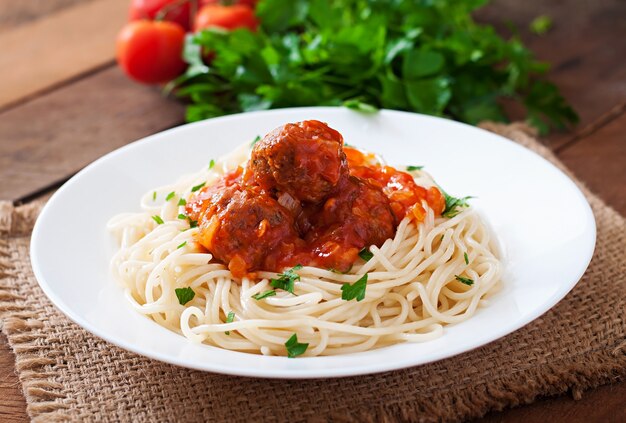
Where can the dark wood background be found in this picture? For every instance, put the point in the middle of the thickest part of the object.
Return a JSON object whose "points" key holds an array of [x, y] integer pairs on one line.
{"points": [[63, 103]]}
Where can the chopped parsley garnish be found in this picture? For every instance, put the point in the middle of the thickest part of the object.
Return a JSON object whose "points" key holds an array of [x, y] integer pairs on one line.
{"points": [[153, 195], [255, 140], [261, 295], [366, 254], [541, 24], [356, 290], [157, 219], [193, 223], [211, 164], [182, 216], [170, 196], [229, 319], [339, 272], [184, 295], [466, 258], [287, 279], [295, 348], [466, 281], [182, 202], [182, 245], [197, 187], [453, 204], [411, 168]]}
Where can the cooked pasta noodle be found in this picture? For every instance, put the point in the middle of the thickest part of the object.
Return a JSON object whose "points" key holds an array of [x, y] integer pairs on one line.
{"points": [[412, 289]]}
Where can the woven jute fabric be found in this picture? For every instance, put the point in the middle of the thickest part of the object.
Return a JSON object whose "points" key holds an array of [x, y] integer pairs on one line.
{"points": [[68, 374]]}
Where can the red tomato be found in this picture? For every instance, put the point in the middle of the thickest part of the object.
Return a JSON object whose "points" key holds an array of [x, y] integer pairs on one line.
{"points": [[227, 17], [150, 51], [149, 9]]}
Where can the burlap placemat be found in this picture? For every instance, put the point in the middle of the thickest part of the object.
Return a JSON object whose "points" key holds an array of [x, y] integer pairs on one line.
{"points": [[68, 374]]}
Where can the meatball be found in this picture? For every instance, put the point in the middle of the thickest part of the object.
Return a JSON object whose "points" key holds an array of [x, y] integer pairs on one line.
{"points": [[242, 225], [357, 215], [304, 159]]}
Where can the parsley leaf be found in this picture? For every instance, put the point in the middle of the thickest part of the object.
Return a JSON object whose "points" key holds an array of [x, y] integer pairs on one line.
{"points": [[182, 245], [541, 24], [170, 196], [153, 195], [420, 56], [182, 202], [356, 290], [157, 219], [295, 348], [412, 168], [339, 272], [261, 295], [466, 281], [255, 140], [466, 258], [454, 205], [229, 319], [197, 187], [366, 254], [211, 164], [184, 295], [287, 279], [193, 223]]}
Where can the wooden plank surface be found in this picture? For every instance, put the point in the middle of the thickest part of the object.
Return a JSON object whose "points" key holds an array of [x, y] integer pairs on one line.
{"points": [[53, 136], [13, 14], [586, 47], [48, 51], [600, 160]]}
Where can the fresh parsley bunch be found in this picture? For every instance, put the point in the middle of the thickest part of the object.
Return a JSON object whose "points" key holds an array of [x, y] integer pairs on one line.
{"points": [[426, 56]]}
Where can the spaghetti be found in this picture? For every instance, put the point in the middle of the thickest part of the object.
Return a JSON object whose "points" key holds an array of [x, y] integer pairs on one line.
{"points": [[429, 274]]}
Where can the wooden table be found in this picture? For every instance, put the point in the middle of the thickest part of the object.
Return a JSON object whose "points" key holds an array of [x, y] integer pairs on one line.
{"points": [[63, 103]]}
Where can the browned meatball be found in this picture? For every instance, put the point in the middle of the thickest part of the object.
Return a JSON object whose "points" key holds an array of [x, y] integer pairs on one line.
{"points": [[357, 215], [242, 226], [304, 159]]}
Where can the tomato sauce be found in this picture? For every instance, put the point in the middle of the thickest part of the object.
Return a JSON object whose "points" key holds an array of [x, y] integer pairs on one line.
{"points": [[304, 198]]}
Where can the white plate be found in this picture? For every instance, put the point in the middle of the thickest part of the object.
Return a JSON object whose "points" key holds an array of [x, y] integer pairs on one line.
{"points": [[542, 221]]}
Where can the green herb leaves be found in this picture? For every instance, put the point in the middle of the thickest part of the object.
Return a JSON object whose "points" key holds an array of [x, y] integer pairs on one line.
{"points": [[170, 196], [229, 319], [211, 164], [412, 168], [157, 219], [466, 281], [454, 205], [261, 295], [295, 348], [403, 54], [181, 202], [356, 290], [197, 187], [181, 245], [541, 24], [466, 258], [366, 254], [184, 295], [287, 279]]}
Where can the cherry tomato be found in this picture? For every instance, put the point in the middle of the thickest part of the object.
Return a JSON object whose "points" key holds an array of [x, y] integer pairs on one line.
{"points": [[150, 51], [149, 9], [227, 17]]}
